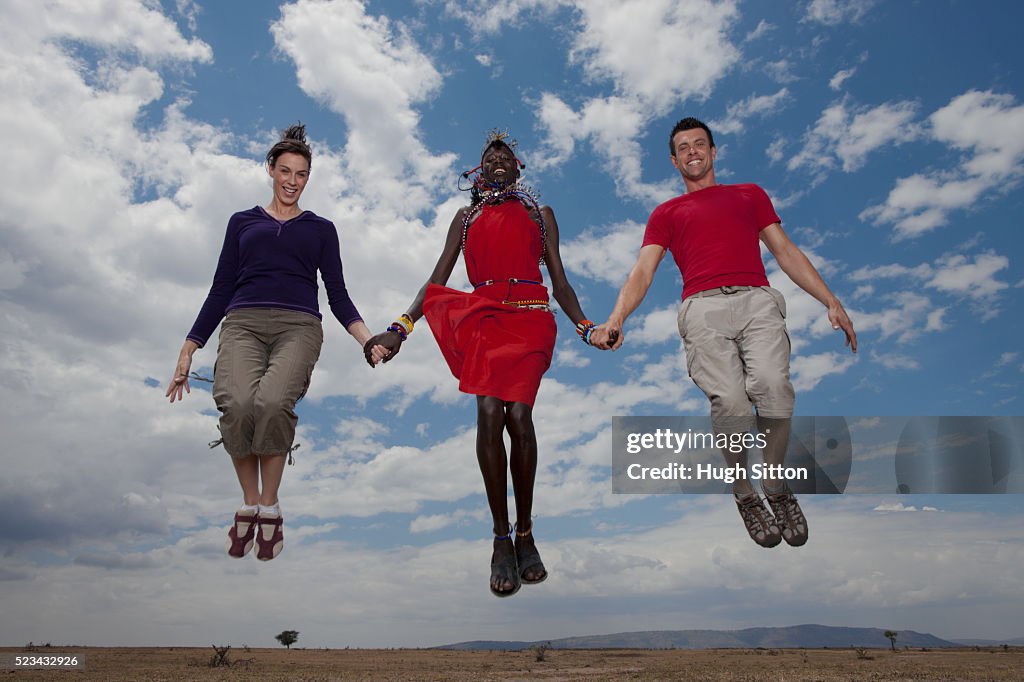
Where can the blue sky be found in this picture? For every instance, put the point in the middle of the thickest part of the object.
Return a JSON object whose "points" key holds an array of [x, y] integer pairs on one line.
{"points": [[889, 134]]}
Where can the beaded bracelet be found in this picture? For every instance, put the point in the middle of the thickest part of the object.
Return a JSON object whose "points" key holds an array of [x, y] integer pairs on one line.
{"points": [[406, 321], [584, 327], [398, 329]]}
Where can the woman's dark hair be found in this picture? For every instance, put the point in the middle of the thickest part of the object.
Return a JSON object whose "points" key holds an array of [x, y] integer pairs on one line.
{"points": [[293, 140]]}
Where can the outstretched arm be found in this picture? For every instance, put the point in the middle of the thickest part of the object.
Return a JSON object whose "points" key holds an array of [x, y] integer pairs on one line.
{"points": [[560, 287], [798, 268], [609, 334], [385, 346]]}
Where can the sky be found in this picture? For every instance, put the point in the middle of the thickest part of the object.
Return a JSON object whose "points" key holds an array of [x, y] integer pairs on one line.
{"points": [[890, 136]]}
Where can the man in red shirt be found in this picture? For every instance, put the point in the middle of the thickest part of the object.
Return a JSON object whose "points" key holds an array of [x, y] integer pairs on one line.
{"points": [[732, 323]]}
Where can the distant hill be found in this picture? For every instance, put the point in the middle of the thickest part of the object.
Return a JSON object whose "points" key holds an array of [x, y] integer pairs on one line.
{"points": [[794, 637], [1016, 641]]}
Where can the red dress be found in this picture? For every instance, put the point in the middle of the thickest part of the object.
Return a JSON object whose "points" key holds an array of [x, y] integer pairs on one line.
{"points": [[495, 348]]}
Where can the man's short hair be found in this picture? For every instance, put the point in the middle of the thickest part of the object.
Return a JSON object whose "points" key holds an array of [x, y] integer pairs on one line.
{"points": [[688, 123]]}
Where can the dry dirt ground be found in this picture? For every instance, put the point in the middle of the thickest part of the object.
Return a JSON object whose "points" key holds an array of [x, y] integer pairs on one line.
{"points": [[748, 665]]}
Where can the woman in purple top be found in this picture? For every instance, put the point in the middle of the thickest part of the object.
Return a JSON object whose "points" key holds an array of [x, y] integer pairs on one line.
{"points": [[265, 290]]}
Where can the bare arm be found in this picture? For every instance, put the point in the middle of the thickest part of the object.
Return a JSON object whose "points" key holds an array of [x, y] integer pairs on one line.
{"points": [[630, 297], [179, 382], [445, 263], [385, 346], [560, 287], [799, 269]]}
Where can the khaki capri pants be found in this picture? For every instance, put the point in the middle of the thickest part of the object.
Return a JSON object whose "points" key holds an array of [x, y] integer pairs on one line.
{"points": [[265, 359], [737, 352]]}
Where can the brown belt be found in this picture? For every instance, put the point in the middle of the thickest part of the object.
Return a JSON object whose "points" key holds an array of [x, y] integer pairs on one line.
{"points": [[722, 291]]}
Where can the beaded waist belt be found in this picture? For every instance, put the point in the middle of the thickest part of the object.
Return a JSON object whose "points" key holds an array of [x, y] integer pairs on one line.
{"points": [[529, 304]]}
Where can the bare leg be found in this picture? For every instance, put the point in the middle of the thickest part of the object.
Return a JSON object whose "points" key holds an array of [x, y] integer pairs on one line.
{"points": [[523, 464], [248, 471], [271, 472], [490, 455]]}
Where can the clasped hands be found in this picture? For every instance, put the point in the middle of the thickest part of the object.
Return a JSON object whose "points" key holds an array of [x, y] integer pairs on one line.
{"points": [[383, 347], [606, 336]]}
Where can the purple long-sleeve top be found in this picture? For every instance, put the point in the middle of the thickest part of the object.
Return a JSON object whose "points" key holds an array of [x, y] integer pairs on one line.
{"points": [[269, 264]]}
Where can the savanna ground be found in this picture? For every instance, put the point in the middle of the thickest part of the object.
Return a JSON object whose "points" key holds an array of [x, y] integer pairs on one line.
{"points": [[746, 665]]}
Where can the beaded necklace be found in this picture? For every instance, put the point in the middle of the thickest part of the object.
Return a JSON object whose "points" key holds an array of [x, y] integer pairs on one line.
{"points": [[521, 193]]}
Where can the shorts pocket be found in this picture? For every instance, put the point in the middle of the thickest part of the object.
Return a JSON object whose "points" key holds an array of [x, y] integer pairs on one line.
{"points": [[780, 300], [684, 308]]}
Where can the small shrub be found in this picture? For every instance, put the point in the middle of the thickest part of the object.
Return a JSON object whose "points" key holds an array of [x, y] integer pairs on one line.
{"points": [[220, 657]]}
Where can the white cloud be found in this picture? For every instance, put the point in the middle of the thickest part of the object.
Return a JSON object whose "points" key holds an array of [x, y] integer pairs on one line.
{"points": [[900, 507], [434, 522], [973, 277], [374, 78], [809, 370], [763, 28], [894, 360], [617, 42], [656, 326], [984, 125], [606, 255], [781, 71], [835, 12], [612, 124], [847, 136], [491, 19], [755, 105], [1007, 358], [124, 27], [620, 41], [836, 82]]}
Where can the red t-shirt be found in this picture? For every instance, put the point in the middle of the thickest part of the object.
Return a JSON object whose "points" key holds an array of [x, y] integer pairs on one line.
{"points": [[713, 235]]}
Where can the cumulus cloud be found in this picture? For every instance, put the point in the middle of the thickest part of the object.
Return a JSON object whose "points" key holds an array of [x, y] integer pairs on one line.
{"points": [[809, 370], [845, 135], [616, 44], [985, 126], [968, 276], [755, 105], [613, 124], [605, 254], [374, 78]]}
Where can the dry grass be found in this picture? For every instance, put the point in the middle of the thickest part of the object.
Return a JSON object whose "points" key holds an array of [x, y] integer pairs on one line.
{"points": [[746, 665]]}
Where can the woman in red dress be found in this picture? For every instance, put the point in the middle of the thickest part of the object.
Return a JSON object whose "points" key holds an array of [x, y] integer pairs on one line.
{"points": [[498, 339]]}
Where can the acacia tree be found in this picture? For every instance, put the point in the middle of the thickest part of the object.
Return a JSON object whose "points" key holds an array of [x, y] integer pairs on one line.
{"points": [[891, 635], [287, 638]]}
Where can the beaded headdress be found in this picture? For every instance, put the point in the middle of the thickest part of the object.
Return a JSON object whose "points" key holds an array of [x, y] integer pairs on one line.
{"points": [[495, 135]]}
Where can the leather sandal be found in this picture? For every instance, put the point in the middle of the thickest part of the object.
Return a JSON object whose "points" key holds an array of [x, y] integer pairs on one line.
{"points": [[529, 558], [505, 568]]}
